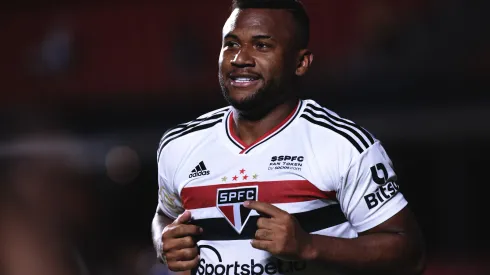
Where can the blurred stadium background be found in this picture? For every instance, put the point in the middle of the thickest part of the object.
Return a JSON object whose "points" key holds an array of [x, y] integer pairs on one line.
{"points": [[88, 88]]}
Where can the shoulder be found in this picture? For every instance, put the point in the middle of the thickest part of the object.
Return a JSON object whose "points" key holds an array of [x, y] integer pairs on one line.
{"points": [[340, 132], [199, 125]]}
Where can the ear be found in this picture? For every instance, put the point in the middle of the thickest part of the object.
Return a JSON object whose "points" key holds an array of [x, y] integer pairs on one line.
{"points": [[304, 62]]}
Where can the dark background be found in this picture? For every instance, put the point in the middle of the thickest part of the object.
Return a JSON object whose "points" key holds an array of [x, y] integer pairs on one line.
{"points": [[88, 89]]}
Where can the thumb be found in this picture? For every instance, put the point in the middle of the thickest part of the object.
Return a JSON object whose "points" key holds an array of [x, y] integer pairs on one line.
{"points": [[183, 218]]}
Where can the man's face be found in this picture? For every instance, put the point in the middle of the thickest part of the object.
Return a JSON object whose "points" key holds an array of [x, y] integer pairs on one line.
{"points": [[258, 58]]}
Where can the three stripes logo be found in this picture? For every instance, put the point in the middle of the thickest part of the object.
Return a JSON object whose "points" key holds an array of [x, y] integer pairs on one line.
{"points": [[230, 203], [200, 170]]}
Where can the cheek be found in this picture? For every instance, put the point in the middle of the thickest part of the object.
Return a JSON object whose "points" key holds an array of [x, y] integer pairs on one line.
{"points": [[223, 59], [271, 67], [220, 58]]}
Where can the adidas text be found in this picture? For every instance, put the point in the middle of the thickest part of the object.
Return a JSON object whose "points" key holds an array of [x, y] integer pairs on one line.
{"points": [[197, 174]]}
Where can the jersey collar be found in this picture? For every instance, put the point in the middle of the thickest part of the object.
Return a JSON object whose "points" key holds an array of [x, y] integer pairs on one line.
{"points": [[230, 132]]}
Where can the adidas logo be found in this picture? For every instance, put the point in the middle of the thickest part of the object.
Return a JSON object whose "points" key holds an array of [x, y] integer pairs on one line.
{"points": [[200, 170]]}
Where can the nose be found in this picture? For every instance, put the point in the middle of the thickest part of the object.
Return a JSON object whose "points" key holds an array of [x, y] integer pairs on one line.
{"points": [[243, 59]]}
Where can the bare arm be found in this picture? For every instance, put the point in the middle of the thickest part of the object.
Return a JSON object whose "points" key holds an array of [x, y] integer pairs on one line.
{"points": [[393, 247], [160, 220], [173, 238]]}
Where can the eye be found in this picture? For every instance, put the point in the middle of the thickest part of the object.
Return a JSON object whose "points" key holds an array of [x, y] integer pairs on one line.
{"points": [[231, 44], [262, 46]]}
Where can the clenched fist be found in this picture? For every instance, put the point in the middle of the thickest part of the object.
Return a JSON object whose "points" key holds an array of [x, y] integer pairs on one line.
{"points": [[280, 233], [179, 249]]}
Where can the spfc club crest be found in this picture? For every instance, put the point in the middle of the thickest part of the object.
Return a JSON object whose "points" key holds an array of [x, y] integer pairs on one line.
{"points": [[230, 202]]}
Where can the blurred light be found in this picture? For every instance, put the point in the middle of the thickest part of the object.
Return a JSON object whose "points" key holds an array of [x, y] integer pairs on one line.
{"points": [[122, 164]]}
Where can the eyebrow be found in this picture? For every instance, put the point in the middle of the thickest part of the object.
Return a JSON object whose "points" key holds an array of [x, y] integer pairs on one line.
{"points": [[255, 37], [230, 35], [261, 37]]}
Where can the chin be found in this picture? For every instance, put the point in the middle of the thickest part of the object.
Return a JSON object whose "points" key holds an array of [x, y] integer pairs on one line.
{"points": [[242, 100]]}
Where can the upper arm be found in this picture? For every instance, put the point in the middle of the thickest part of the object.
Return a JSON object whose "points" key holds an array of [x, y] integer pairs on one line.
{"points": [[162, 216], [368, 193], [403, 223], [169, 201]]}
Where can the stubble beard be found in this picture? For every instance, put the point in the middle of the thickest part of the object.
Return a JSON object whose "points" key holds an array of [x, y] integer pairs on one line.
{"points": [[256, 105]]}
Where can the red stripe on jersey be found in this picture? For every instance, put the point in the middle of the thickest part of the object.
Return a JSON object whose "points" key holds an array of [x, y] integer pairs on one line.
{"points": [[269, 191], [264, 136]]}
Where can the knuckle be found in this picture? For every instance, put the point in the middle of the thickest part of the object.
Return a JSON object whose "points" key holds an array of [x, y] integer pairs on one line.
{"points": [[187, 229], [171, 266], [262, 222], [188, 241], [168, 231], [178, 229], [169, 256], [194, 262], [165, 247], [195, 229], [188, 254]]}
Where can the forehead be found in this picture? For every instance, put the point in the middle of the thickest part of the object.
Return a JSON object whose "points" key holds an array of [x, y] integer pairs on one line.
{"points": [[274, 22]]}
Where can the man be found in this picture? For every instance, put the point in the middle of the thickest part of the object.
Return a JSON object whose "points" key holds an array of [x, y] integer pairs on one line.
{"points": [[274, 184]]}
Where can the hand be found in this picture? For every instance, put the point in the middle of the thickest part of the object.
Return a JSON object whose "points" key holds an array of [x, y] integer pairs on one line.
{"points": [[179, 249], [280, 233]]}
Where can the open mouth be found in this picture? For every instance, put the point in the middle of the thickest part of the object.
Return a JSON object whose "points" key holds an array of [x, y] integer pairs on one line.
{"points": [[243, 81]]}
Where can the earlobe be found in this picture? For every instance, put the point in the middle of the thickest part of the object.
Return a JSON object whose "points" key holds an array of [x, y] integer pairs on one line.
{"points": [[304, 62]]}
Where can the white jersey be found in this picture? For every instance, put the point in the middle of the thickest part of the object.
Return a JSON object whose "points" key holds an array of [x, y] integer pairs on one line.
{"points": [[328, 172]]}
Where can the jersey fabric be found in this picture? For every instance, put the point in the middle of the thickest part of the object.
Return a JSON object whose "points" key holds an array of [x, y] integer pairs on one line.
{"points": [[328, 172]]}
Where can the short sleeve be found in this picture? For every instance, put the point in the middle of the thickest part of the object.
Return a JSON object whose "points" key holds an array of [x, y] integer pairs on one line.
{"points": [[368, 192], [168, 196]]}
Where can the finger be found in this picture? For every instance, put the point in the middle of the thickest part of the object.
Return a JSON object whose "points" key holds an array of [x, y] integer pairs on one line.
{"points": [[265, 223], [264, 234], [186, 254], [183, 218], [262, 244], [182, 230], [183, 265], [179, 243], [265, 208]]}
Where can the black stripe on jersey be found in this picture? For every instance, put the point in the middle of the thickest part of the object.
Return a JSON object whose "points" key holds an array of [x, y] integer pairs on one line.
{"points": [[188, 130], [348, 129], [228, 132], [328, 126], [298, 110], [184, 126], [338, 119], [218, 229]]}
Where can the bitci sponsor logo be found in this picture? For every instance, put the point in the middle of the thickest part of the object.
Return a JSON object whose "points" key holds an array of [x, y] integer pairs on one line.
{"points": [[218, 267], [387, 188]]}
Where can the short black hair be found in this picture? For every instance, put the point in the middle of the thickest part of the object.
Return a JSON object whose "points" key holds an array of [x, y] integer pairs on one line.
{"points": [[294, 6]]}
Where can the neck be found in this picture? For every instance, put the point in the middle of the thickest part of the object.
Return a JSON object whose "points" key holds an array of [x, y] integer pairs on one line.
{"points": [[250, 128]]}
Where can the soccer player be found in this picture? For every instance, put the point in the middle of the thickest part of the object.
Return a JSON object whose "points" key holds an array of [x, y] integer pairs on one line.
{"points": [[274, 184]]}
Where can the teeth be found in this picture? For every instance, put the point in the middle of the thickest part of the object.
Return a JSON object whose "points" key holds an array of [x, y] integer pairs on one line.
{"points": [[243, 79]]}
